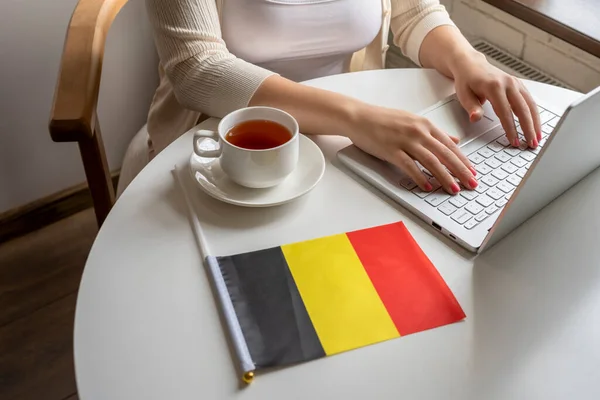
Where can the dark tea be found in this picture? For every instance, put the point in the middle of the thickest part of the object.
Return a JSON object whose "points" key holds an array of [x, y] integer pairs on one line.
{"points": [[258, 135]]}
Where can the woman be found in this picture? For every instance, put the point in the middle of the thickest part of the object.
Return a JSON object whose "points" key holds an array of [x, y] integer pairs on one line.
{"points": [[220, 55]]}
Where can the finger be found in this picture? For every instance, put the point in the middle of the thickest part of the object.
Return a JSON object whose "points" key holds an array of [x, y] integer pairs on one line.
{"points": [[470, 103], [447, 141], [454, 139], [503, 110], [410, 168], [521, 110], [533, 109], [431, 162]]}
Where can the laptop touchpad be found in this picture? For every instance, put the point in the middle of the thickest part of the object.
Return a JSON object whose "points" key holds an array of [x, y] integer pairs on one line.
{"points": [[454, 120]]}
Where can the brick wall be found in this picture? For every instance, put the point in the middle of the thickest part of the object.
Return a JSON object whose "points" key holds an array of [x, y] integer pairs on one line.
{"points": [[569, 64]]}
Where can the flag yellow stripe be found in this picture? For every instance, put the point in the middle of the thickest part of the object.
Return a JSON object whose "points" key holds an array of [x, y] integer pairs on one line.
{"points": [[340, 299]]}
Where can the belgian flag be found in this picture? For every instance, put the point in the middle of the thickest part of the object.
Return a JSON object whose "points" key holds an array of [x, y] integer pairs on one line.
{"points": [[320, 297]]}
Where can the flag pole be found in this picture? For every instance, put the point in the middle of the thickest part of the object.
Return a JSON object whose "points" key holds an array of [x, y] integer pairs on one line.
{"points": [[212, 265]]}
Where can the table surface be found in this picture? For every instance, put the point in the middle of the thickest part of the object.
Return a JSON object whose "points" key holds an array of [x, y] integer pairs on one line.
{"points": [[147, 326]]}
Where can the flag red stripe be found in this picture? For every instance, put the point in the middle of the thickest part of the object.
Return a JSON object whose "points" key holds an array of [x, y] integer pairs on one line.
{"points": [[410, 287]]}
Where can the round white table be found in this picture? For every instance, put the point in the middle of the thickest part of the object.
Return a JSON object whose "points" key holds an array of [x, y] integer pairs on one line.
{"points": [[147, 326]]}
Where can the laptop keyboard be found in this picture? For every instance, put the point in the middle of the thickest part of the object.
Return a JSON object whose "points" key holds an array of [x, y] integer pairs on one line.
{"points": [[500, 168]]}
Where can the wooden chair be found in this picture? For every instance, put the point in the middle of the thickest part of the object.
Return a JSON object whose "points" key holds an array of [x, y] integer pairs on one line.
{"points": [[74, 110]]}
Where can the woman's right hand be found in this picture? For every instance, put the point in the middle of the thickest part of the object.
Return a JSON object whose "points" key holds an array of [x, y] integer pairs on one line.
{"points": [[401, 138]]}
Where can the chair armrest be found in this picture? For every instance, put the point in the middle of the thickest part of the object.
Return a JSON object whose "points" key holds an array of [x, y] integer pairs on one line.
{"points": [[73, 114]]}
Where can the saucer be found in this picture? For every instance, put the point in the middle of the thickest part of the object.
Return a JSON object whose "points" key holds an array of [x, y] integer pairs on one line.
{"points": [[207, 173]]}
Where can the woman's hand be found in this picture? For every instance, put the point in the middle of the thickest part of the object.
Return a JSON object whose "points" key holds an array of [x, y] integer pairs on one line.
{"points": [[476, 81], [401, 138]]}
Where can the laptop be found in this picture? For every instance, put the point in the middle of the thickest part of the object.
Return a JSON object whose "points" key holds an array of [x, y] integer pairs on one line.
{"points": [[514, 183]]}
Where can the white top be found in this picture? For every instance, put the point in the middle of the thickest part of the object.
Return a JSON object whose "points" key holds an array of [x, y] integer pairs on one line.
{"points": [[147, 326], [300, 39]]}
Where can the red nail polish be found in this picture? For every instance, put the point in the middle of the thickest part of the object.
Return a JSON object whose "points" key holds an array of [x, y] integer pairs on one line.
{"points": [[535, 143], [539, 136], [428, 187], [473, 183], [516, 142], [455, 188], [473, 171]]}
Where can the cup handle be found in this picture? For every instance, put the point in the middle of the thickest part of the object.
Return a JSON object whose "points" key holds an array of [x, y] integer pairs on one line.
{"points": [[204, 134]]}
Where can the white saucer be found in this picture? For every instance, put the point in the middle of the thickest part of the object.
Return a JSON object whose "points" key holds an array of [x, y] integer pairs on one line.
{"points": [[212, 180]]}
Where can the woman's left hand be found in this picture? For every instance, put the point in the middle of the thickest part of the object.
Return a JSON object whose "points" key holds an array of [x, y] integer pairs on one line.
{"points": [[477, 81]]}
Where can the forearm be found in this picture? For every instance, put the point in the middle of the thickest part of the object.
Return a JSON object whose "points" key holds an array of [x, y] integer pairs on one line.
{"points": [[318, 111], [445, 49]]}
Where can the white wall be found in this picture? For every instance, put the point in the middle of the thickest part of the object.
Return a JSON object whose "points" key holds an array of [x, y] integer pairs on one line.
{"points": [[560, 59], [31, 39]]}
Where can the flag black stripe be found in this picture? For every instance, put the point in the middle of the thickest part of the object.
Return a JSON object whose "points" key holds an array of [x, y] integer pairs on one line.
{"points": [[271, 312]]}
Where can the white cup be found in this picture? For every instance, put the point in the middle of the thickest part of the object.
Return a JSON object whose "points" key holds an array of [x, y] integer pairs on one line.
{"points": [[247, 167]]}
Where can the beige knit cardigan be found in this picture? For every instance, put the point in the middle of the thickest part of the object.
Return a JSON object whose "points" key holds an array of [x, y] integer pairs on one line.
{"points": [[200, 77]]}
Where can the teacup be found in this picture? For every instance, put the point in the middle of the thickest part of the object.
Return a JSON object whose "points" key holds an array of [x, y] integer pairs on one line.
{"points": [[257, 147]]}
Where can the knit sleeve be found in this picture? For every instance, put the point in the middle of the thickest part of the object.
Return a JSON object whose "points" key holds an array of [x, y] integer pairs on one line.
{"points": [[205, 76], [412, 20]]}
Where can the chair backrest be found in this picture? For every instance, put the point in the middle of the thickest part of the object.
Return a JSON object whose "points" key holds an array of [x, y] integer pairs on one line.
{"points": [[116, 85]]}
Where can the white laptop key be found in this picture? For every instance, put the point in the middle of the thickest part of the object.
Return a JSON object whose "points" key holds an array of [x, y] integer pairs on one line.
{"points": [[495, 193], [474, 208], [472, 223], [458, 201], [481, 216], [447, 208], [481, 188], [519, 162], [503, 141], [501, 203], [483, 169], [486, 153], [547, 129], [437, 198], [527, 155], [493, 163], [521, 172], [512, 151], [523, 145], [503, 156], [491, 209], [408, 183], [495, 146], [485, 200], [505, 187], [476, 158], [469, 194], [500, 174], [461, 216], [515, 179], [421, 193], [489, 180], [510, 168]]}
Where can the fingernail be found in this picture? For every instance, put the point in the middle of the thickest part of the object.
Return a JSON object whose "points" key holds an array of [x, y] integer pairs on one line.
{"points": [[428, 187], [473, 171], [455, 188], [473, 183], [539, 136], [534, 143], [516, 142], [475, 115]]}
